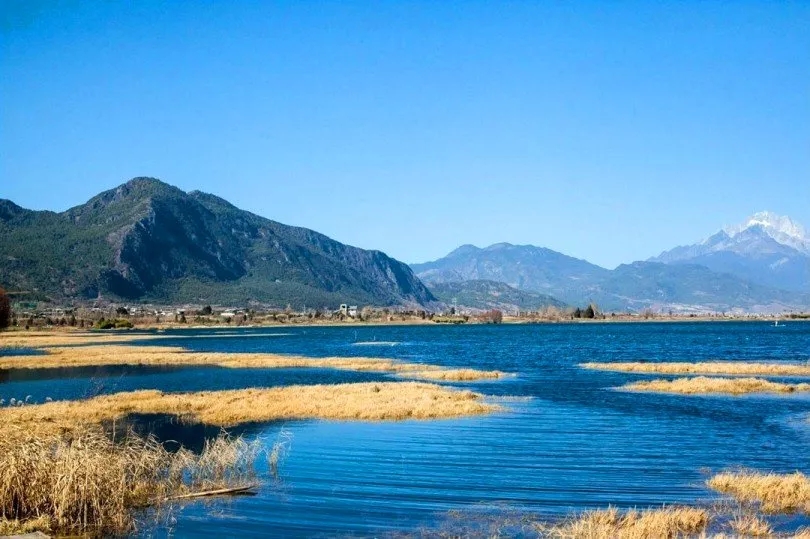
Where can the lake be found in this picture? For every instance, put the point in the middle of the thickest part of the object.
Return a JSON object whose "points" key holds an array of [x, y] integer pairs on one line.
{"points": [[565, 441]]}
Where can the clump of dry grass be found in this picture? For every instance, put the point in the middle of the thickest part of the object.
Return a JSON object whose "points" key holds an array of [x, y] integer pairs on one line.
{"points": [[711, 367], [83, 482], [666, 522], [454, 375], [775, 493], [751, 525], [15, 527], [363, 401], [702, 385], [105, 354]]}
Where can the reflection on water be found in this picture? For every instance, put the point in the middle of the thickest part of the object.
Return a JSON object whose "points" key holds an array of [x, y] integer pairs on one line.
{"points": [[175, 432], [571, 442]]}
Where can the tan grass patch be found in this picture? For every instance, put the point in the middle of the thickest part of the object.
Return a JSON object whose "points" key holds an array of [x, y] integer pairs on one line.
{"points": [[711, 367], [775, 493], [365, 401], [667, 522], [20, 339], [703, 385], [108, 354]]}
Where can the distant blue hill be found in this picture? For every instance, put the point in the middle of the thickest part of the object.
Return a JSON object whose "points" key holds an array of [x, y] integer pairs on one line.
{"points": [[485, 295], [680, 287]]}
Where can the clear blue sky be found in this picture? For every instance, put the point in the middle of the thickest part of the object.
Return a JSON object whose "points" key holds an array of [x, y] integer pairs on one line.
{"points": [[606, 130]]}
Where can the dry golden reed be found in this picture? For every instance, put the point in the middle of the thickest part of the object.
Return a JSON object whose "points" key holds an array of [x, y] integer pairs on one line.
{"points": [[41, 339], [363, 401], [713, 367], [704, 385], [751, 525], [775, 493], [666, 522], [83, 482], [120, 354]]}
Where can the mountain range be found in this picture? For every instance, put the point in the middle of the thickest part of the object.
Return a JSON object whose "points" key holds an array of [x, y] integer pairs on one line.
{"points": [[149, 241], [766, 249], [760, 265]]}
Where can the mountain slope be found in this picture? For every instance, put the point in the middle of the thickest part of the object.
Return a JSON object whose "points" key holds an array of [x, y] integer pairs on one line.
{"points": [[482, 294], [524, 267], [766, 249], [147, 240]]}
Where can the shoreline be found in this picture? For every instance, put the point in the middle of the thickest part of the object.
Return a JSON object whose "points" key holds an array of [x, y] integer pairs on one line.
{"points": [[507, 321]]}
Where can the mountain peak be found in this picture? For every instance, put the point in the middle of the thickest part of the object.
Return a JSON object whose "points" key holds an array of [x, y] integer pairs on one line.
{"points": [[781, 229], [464, 250]]}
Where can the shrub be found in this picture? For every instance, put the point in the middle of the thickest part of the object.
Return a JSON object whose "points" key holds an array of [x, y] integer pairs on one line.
{"points": [[113, 324]]}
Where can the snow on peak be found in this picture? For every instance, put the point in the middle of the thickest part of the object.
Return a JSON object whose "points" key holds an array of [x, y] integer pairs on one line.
{"points": [[782, 229]]}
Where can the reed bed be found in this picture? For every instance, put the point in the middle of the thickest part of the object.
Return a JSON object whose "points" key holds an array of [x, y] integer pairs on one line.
{"points": [[704, 385], [363, 401], [711, 367], [106, 354], [85, 483], [666, 522], [18, 339], [774, 493]]}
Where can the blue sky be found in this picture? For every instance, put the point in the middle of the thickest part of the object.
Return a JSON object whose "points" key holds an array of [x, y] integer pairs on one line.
{"points": [[606, 130]]}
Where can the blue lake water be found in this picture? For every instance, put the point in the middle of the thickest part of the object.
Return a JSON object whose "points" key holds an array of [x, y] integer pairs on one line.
{"points": [[566, 440]]}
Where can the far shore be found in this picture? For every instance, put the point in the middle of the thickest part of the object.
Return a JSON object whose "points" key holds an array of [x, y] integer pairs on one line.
{"points": [[151, 324]]}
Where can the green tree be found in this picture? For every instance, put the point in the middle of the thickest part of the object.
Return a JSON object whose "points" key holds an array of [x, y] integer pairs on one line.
{"points": [[589, 312], [5, 309]]}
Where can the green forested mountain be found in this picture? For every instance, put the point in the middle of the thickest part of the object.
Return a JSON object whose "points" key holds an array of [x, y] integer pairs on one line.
{"points": [[149, 241]]}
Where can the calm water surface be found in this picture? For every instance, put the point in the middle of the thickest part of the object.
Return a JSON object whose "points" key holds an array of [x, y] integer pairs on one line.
{"points": [[565, 441]]}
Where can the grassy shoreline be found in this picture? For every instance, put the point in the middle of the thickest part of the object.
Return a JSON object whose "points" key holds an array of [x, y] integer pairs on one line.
{"points": [[384, 401], [91, 350]]}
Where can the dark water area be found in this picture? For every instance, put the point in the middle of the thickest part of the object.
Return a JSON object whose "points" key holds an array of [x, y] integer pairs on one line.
{"points": [[176, 432], [567, 440], [13, 351]]}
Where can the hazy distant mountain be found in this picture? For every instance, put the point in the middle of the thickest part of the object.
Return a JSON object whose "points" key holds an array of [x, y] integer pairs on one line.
{"points": [[524, 267], [482, 294], [637, 286], [147, 240], [688, 287], [767, 249]]}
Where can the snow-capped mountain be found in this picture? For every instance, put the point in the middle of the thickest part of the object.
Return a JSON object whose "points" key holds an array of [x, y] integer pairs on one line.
{"points": [[781, 229], [766, 248]]}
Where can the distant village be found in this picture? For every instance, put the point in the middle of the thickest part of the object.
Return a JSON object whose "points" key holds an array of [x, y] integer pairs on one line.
{"points": [[31, 315]]}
